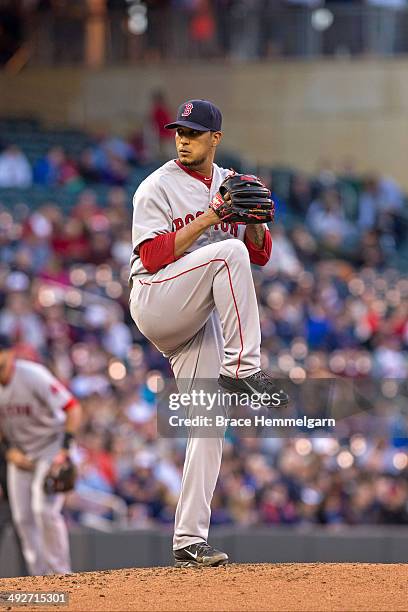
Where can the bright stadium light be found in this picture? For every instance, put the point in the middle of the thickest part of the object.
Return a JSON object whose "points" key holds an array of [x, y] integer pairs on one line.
{"points": [[322, 19], [137, 9], [137, 22]]}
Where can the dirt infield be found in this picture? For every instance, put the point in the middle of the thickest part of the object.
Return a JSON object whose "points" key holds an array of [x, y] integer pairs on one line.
{"points": [[325, 587]]}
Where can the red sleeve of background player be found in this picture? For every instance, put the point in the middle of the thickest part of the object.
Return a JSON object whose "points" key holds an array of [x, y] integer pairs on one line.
{"points": [[259, 256], [158, 252]]}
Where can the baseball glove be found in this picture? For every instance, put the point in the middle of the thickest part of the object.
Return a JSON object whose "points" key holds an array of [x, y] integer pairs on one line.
{"points": [[61, 478], [243, 198]]}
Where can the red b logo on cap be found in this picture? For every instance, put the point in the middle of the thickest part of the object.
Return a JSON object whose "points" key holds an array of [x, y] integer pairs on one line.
{"points": [[187, 110]]}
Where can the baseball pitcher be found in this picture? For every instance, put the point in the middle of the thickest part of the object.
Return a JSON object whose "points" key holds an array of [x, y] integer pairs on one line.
{"points": [[196, 229], [38, 420]]}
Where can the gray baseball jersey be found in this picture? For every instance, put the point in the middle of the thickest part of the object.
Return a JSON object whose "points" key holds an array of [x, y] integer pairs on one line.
{"points": [[32, 409], [169, 199]]}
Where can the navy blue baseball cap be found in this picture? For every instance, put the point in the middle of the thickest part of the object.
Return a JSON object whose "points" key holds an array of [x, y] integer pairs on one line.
{"points": [[200, 115]]}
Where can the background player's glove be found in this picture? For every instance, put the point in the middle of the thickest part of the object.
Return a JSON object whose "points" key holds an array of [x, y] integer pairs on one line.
{"points": [[243, 198], [60, 477]]}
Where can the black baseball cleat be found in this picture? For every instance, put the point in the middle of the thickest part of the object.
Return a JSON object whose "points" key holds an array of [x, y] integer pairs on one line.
{"points": [[199, 555], [259, 383]]}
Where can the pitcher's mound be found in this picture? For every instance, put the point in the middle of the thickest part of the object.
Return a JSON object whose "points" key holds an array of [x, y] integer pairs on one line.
{"points": [[303, 587]]}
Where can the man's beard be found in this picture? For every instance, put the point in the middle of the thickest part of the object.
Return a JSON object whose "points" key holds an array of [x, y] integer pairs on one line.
{"points": [[195, 163]]}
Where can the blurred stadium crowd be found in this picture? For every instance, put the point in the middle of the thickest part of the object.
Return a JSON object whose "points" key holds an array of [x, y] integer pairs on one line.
{"points": [[333, 302]]}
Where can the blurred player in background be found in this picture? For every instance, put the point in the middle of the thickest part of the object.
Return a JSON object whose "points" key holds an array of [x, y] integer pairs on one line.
{"points": [[38, 420]]}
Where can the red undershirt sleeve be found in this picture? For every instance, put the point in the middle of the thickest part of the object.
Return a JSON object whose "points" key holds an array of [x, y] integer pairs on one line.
{"points": [[72, 403], [158, 252], [260, 256]]}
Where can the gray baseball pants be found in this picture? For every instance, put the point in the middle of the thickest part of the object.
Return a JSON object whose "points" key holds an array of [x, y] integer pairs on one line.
{"points": [[201, 312], [38, 520]]}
